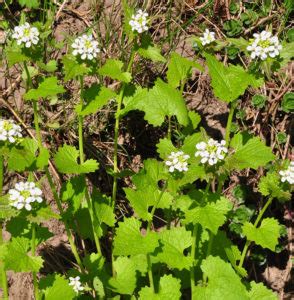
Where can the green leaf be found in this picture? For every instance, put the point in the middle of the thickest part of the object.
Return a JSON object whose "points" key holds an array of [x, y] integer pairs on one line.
{"points": [[159, 102], [51, 66], [179, 69], [72, 68], [103, 209], [130, 241], [165, 147], [270, 185], [169, 289], [20, 261], [174, 242], [29, 3], [48, 88], [223, 282], [253, 154], [229, 82], [14, 56], [211, 215], [151, 52], [260, 292], [96, 97], [287, 53], [6, 210], [73, 191], [23, 156], [113, 69], [56, 287], [287, 104], [125, 279], [266, 235], [66, 161], [42, 214]]}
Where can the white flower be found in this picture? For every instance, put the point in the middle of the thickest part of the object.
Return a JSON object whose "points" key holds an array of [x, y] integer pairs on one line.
{"points": [[9, 131], [76, 284], [24, 194], [211, 152], [264, 45], [25, 34], [288, 174], [208, 37], [139, 21], [177, 161], [86, 47]]}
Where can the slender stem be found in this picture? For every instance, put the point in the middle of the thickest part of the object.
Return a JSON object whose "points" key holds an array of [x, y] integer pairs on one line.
{"points": [[247, 244], [116, 131], [208, 252], [33, 246], [229, 122], [169, 130], [36, 123], [2, 267], [3, 272], [29, 80], [154, 208], [150, 274], [67, 229], [81, 121], [1, 173], [93, 219], [193, 252], [81, 149]]}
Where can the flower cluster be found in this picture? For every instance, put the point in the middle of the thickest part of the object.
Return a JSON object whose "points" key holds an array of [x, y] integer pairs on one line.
{"points": [[177, 161], [208, 37], [86, 47], [139, 21], [24, 194], [264, 45], [288, 174], [76, 284], [25, 34], [9, 131], [211, 152]]}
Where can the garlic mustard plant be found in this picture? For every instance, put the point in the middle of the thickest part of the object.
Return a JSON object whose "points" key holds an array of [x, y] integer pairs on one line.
{"points": [[177, 161], [139, 21], [9, 131], [208, 37], [24, 194], [85, 47], [211, 152], [26, 34], [288, 174], [264, 45], [75, 283]]}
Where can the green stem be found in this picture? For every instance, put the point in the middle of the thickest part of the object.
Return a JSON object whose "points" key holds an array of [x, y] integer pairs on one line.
{"points": [[2, 267], [116, 131], [211, 236], [193, 252], [33, 246], [81, 121], [150, 274], [67, 229], [81, 149], [229, 122], [93, 219], [29, 80], [36, 123], [247, 244], [169, 130], [154, 208]]}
